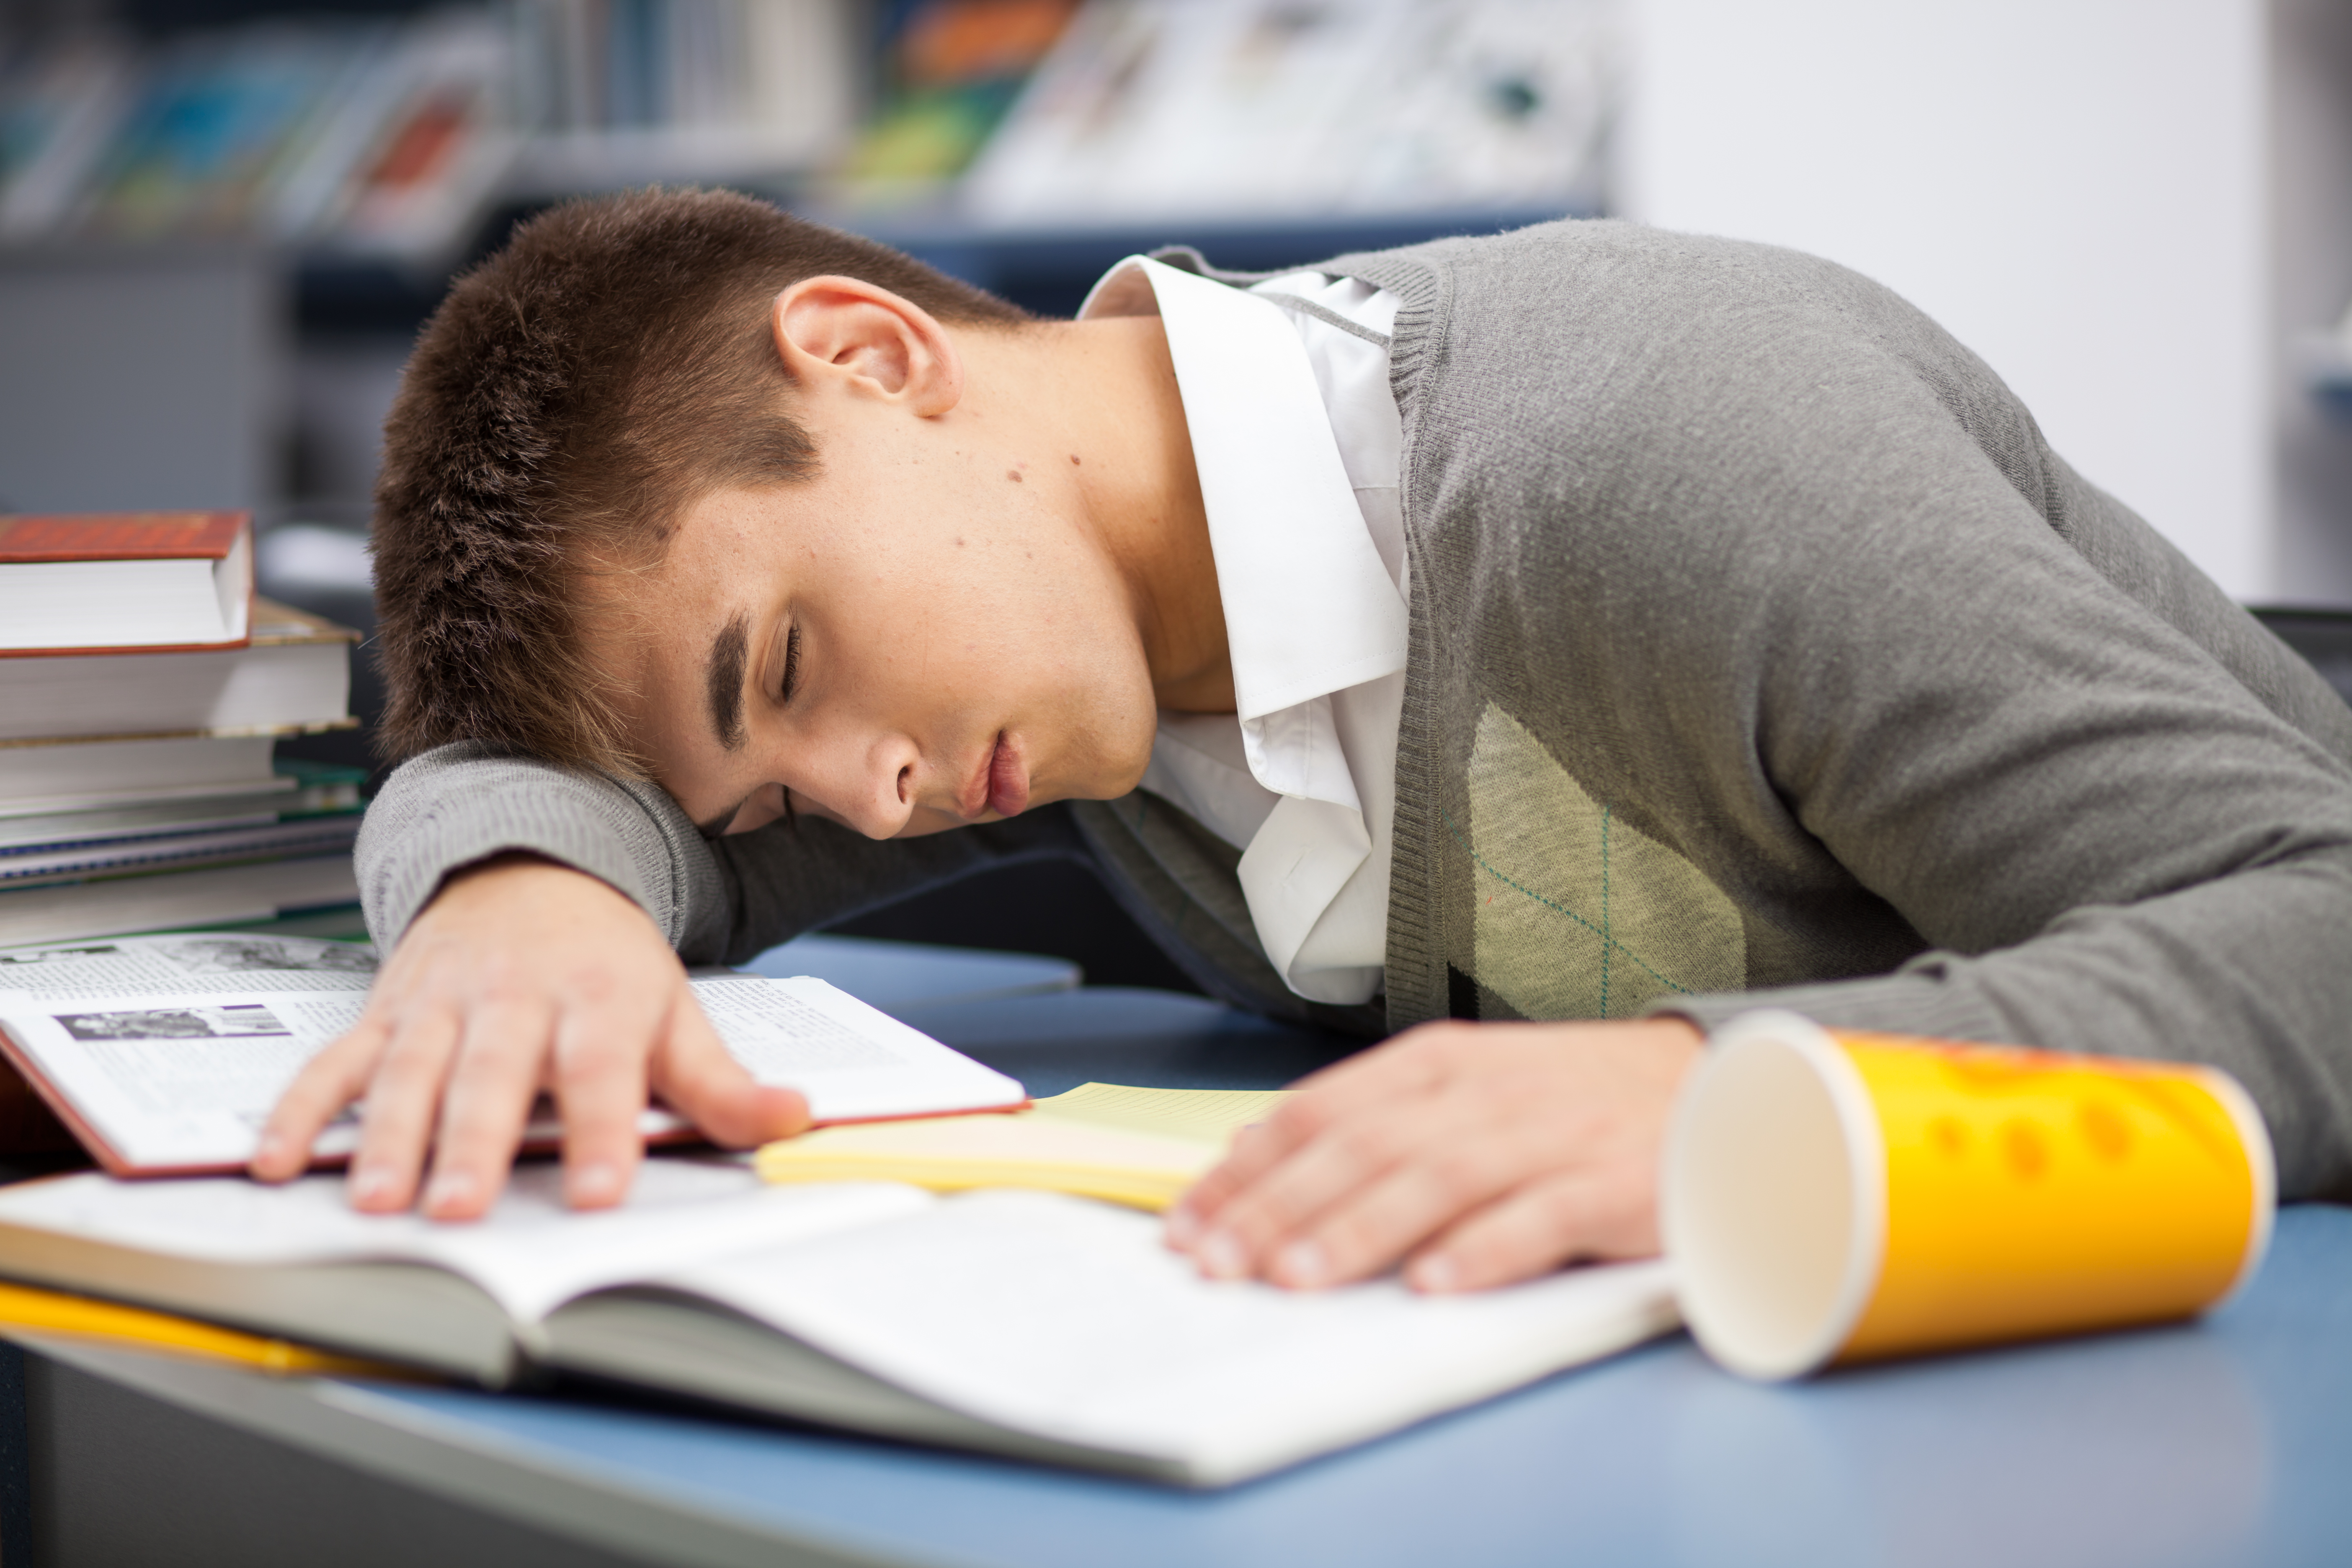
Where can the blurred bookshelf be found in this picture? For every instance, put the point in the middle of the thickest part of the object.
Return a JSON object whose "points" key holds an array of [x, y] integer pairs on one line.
{"points": [[394, 137]]}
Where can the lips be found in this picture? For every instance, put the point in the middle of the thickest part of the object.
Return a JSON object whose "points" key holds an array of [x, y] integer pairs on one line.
{"points": [[1008, 778]]}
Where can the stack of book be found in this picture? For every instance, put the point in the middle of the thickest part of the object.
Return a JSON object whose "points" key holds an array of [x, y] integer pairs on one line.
{"points": [[142, 689]]}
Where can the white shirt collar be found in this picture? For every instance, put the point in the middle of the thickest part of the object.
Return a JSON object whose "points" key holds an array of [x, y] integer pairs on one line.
{"points": [[1310, 608], [1315, 621]]}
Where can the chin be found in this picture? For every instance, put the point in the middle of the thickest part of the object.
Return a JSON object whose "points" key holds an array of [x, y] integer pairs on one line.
{"points": [[1122, 781], [1108, 757]]}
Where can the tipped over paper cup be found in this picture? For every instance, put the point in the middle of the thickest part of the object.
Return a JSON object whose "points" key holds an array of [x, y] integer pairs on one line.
{"points": [[1831, 1196]]}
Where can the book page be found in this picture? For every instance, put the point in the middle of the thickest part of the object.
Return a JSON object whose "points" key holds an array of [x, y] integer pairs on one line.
{"points": [[1072, 1320], [529, 1253], [209, 961], [184, 1080], [853, 1061]]}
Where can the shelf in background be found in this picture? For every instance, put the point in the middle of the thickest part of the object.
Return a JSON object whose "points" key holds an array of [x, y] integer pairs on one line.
{"points": [[1047, 270]]}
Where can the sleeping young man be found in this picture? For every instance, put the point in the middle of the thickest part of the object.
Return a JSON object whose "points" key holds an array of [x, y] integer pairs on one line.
{"points": [[1537, 648]]}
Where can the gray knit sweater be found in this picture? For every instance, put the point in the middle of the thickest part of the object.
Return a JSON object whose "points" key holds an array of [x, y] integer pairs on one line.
{"points": [[1762, 651]]}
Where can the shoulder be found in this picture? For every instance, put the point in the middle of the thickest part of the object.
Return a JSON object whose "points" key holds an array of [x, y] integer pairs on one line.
{"points": [[1607, 269], [1602, 364]]}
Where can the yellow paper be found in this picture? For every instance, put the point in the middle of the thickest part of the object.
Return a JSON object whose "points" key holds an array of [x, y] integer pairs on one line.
{"points": [[1207, 1115], [37, 1311], [1141, 1147]]}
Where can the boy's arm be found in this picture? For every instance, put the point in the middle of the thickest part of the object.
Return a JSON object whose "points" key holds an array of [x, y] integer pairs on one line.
{"points": [[713, 900], [2107, 843], [1882, 628], [459, 804], [2109, 839], [533, 919]]}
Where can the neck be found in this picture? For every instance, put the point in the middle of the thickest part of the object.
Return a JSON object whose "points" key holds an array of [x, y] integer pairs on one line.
{"points": [[1104, 392]]}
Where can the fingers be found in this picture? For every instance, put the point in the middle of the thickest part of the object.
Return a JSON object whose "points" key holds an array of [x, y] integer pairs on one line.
{"points": [[1484, 1154], [402, 1093], [1537, 1227], [482, 1072], [600, 1070], [493, 1078], [1355, 1201], [328, 1082], [1401, 1070], [519, 972], [711, 1089]]}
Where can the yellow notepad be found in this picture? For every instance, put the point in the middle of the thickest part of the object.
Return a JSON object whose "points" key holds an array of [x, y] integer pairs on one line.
{"points": [[35, 1311], [1142, 1147]]}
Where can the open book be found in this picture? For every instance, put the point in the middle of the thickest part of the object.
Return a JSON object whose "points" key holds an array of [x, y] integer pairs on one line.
{"points": [[173, 1080], [1022, 1322]]}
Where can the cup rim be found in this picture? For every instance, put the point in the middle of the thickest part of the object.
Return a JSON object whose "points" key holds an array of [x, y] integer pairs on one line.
{"points": [[1779, 1030]]}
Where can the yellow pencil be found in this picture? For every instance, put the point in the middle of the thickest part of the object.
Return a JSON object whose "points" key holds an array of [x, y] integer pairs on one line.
{"points": [[55, 1313]]}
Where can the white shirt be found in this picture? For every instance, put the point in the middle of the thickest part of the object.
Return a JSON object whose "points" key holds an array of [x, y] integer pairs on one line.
{"points": [[1298, 443]]}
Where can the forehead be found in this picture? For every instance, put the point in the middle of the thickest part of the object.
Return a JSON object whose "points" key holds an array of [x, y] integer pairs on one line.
{"points": [[647, 626], [721, 551]]}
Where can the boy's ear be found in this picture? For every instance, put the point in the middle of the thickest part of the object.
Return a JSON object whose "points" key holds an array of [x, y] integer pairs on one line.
{"points": [[867, 342]]}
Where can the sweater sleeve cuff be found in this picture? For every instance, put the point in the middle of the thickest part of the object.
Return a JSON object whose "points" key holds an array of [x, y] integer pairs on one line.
{"points": [[1894, 1003], [455, 806]]}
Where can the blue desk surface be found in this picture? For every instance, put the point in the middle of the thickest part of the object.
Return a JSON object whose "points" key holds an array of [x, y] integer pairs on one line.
{"points": [[2224, 1442]]}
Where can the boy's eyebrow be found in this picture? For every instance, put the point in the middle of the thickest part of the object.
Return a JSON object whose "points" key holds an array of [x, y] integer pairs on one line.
{"points": [[725, 678]]}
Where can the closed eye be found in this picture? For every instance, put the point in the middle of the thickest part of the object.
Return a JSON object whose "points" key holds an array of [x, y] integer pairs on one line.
{"points": [[791, 675]]}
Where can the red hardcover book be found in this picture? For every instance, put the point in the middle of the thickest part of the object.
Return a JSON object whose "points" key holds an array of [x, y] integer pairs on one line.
{"points": [[149, 581]]}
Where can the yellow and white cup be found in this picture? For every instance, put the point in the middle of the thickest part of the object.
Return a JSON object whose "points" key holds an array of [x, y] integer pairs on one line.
{"points": [[1835, 1196]]}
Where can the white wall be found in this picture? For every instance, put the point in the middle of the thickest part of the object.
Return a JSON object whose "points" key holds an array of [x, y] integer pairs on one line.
{"points": [[2076, 188]]}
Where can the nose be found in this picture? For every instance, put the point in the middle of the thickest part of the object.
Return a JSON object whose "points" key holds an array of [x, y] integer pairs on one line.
{"points": [[867, 782]]}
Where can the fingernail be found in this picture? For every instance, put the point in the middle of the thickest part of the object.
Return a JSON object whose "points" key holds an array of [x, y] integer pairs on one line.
{"points": [[267, 1150], [1435, 1275], [1304, 1266], [449, 1190], [597, 1182], [369, 1183], [1221, 1256], [1183, 1228]]}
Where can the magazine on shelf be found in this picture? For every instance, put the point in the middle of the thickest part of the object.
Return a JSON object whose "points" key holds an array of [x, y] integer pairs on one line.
{"points": [[1239, 111]]}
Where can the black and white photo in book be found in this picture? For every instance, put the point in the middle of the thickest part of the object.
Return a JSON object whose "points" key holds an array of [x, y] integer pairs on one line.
{"points": [[235, 1020]]}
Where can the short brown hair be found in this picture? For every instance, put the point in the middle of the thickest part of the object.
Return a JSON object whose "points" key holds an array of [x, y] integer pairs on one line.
{"points": [[571, 396]]}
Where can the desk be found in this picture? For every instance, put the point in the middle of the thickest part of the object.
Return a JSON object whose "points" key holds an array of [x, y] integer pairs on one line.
{"points": [[2229, 1442]]}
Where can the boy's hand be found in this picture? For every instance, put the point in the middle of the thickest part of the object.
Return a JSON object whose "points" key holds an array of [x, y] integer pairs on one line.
{"points": [[521, 975], [1480, 1153]]}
